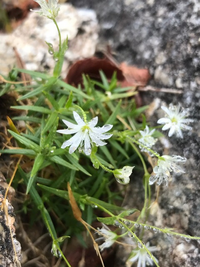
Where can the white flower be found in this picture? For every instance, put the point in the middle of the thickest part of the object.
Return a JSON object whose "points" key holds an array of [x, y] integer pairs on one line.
{"points": [[175, 120], [166, 164], [108, 236], [147, 140], [85, 134], [141, 256], [49, 9], [123, 175]]}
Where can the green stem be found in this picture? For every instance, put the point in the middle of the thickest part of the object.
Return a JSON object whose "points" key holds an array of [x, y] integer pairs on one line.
{"points": [[59, 35], [149, 149], [139, 155], [146, 188]]}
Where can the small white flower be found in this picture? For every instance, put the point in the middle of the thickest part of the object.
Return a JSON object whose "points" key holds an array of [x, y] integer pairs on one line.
{"points": [[49, 9], [141, 256], [147, 140], [166, 164], [85, 134], [175, 120], [108, 236], [123, 175]]}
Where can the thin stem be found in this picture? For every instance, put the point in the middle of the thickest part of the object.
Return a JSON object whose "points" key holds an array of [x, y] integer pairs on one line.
{"points": [[139, 155], [59, 35], [149, 149]]}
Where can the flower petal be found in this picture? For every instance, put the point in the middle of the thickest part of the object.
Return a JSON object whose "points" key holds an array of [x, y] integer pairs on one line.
{"points": [[93, 122], [69, 124], [166, 126], [102, 129], [78, 119], [96, 140], [72, 131], [164, 120], [87, 145]]}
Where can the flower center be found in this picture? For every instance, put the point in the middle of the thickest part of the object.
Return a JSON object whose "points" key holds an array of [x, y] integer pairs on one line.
{"points": [[174, 120], [84, 128]]}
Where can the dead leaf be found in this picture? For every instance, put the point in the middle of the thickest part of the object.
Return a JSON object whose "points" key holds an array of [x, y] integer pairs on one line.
{"points": [[126, 75], [134, 75], [91, 67]]}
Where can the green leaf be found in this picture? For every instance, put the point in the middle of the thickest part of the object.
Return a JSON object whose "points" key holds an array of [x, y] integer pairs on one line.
{"points": [[108, 155], [112, 118], [34, 74], [127, 213], [104, 80], [25, 141], [107, 220], [52, 100], [50, 121], [60, 58], [27, 152], [33, 108], [62, 238], [116, 145], [100, 203], [69, 101], [62, 162], [39, 203], [36, 166], [47, 86], [27, 118], [67, 88], [76, 164]]}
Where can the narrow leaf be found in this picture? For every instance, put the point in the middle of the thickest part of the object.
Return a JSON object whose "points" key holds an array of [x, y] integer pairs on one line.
{"points": [[62, 162], [25, 141], [107, 220], [33, 108]]}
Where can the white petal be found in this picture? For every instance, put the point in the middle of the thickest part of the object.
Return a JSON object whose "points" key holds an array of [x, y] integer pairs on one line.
{"points": [[78, 119], [152, 179], [139, 261], [163, 121], [179, 133], [166, 110], [87, 146], [96, 140], [134, 259], [73, 142], [166, 126], [66, 131], [172, 131], [102, 129], [93, 122], [69, 124], [149, 261], [65, 144], [104, 136]]}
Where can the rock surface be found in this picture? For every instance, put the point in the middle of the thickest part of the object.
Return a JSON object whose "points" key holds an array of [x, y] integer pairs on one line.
{"points": [[163, 35], [80, 25]]}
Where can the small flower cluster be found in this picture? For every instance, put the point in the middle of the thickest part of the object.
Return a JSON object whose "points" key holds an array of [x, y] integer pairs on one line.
{"points": [[166, 164], [175, 121], [49, 9], [147, 140], [139, 254]]}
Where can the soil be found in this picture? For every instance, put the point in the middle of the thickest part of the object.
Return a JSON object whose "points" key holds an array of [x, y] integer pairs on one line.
{"points": [[163, 36]]}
